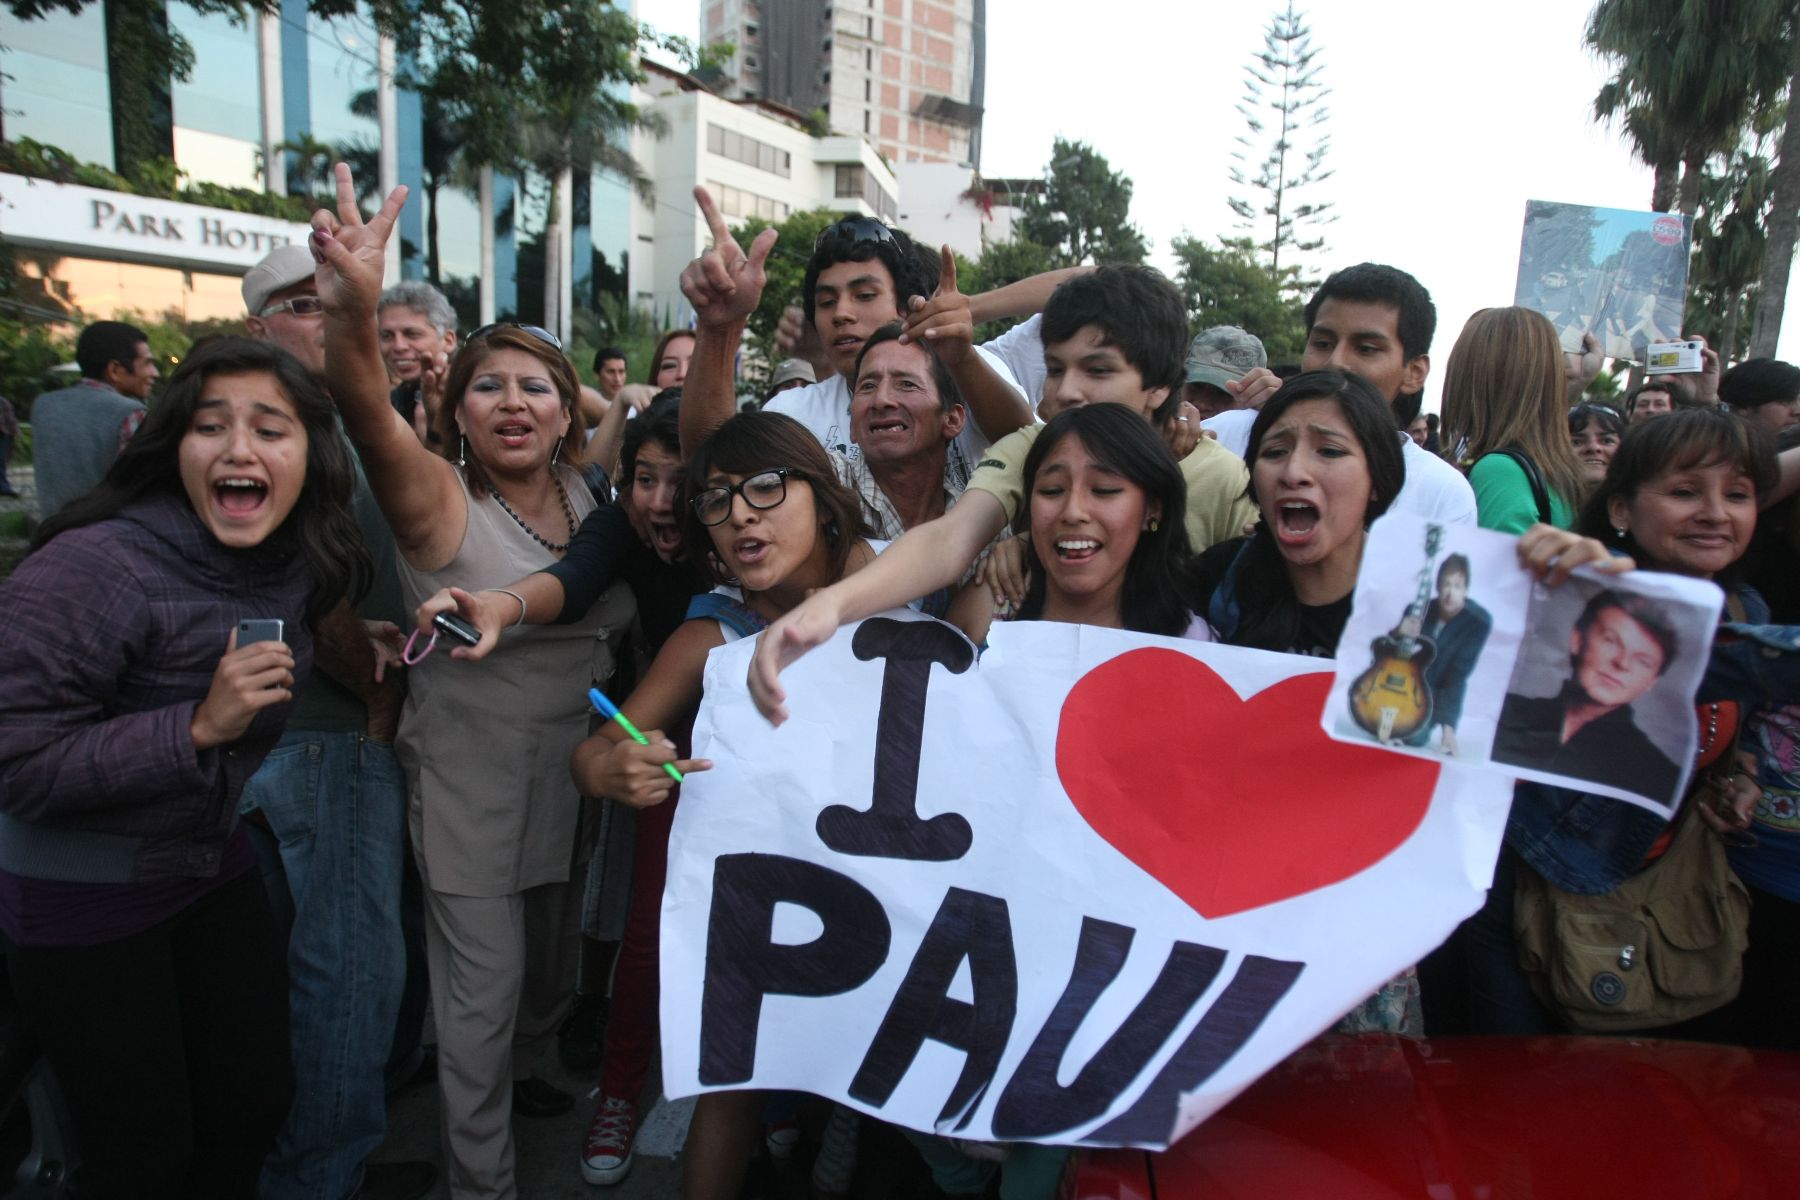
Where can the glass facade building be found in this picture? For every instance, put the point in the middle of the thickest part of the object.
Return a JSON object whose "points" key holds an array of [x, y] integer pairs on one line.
{"points": [[55, 89]]}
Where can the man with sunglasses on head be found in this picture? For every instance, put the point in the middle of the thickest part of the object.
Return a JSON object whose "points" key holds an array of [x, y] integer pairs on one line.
{"points": [[327, 812], [862, 275]]}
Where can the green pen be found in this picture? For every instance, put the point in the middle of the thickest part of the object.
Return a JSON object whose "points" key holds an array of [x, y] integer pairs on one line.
{"points": [[610, 711]]}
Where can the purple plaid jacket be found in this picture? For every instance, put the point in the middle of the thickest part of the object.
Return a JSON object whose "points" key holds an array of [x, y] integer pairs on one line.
{"points": [[109, 636]]}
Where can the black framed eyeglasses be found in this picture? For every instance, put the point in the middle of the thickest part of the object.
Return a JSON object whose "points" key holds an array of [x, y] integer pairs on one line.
{"points": [[536, 331], [765, 489], [855, 231]]}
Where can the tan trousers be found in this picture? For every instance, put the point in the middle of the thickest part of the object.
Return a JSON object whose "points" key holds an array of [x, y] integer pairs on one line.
{"points": [[503, 972]]}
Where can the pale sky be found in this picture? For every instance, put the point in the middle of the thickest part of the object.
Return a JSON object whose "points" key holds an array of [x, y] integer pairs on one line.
{"points": [[1446, 118]]}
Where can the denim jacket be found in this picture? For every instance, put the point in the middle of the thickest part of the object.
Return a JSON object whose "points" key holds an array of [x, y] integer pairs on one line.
{"points": [[1591, 844]]}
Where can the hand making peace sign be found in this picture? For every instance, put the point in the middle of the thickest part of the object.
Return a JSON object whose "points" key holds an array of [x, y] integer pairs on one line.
{"points": [[352, 255], [724, 284]]}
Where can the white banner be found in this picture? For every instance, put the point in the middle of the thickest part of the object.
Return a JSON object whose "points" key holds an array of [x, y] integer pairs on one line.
{"points": [[1083, 891]]}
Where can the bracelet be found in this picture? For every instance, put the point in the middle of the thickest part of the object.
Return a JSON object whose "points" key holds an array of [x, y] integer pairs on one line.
{"points": [[515, 596]]}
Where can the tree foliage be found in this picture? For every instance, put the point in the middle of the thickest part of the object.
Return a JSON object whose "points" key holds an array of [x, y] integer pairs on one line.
{"points": [[1694, 85], [1228, 284], [786, 272], [1283, 110], [1083, 215], [1727, 261], [1687, 78]]}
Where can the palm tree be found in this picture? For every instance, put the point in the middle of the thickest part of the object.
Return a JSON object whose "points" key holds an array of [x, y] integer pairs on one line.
{"points": [[1784, 213], [1687, 78]]}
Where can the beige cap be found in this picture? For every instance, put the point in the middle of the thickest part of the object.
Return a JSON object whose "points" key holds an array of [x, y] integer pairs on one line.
{"points": [[283, 268]]}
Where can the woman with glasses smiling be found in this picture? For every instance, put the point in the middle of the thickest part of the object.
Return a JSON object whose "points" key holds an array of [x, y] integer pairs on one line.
{"points": [[485, 745]]}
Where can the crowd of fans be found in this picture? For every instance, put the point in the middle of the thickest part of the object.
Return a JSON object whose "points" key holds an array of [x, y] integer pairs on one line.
{"points": [[234, 863]]}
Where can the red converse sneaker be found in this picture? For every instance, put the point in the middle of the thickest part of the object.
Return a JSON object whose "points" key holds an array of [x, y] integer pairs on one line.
{"points": [[606, 1154]]}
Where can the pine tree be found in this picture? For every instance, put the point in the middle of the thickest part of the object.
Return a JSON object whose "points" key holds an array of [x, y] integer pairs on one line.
{"points": [[1283, 110]]}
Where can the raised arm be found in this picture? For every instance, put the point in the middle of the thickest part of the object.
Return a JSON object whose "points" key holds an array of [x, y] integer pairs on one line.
{"points": [[925, 558], [724, 285], [1022, 297], [416, 488], [945, 325], [609, 435]]}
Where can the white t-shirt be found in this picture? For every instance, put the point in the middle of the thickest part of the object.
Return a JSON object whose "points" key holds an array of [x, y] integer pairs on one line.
{"points": [[1433, 489], [824, 407], [1021, 348], [1233, 428]]}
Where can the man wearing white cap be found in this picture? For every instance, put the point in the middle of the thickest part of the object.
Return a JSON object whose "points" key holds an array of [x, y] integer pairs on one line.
{"points": [[328, 815]]}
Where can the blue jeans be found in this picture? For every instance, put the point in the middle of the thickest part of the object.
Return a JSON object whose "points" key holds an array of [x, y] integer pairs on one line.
{"points": [[336, 805]]}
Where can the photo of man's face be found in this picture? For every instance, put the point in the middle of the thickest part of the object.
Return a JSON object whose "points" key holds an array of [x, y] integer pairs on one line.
{"points": [[1616, 659], [1453, 593]]}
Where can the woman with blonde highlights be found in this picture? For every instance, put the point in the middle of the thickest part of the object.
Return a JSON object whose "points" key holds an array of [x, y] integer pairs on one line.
{"points": [[1506, 416], [494, 816]]}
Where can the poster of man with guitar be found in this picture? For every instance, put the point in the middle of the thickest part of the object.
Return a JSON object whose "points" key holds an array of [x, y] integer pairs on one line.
{"points": [[1414, 688], [1459, 627]]}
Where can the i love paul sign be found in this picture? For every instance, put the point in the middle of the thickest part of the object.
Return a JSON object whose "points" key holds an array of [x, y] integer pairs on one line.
{"points": [[1084, 889]]}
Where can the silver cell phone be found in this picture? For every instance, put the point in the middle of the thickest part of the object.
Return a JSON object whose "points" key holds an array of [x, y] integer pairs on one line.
{"points": [[265, 630]]}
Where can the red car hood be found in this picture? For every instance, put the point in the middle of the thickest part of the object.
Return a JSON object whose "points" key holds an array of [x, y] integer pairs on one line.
{"points": [[1378, 1117]]}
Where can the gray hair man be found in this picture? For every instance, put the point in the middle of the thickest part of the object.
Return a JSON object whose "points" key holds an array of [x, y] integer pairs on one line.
{"points": [[418, 333]]}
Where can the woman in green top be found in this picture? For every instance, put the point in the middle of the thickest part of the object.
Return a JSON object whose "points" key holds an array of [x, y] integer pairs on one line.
{"points": [[1506, 416]]}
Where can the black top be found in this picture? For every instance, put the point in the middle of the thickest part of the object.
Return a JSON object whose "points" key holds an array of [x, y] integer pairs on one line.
{"points": [[1609, 750], [606, 549], [1321, 625]]}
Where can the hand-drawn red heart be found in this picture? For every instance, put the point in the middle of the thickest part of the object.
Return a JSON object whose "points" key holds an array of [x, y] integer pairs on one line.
{"points": [[1232, 804]]}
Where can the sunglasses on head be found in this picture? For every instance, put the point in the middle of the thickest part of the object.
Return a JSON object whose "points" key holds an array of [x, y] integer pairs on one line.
{"points": [[536, 331], [856, 231]]}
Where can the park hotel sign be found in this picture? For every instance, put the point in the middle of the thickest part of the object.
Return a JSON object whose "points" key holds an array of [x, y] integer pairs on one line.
{"points": [[93, 223]]}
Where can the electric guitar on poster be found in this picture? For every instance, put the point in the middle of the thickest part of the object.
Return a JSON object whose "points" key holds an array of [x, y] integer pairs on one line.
{"points": [[1392, 700]]}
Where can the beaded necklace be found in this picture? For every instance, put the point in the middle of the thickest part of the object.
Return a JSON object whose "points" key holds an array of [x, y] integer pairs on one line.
{"points": [[568, 514]]}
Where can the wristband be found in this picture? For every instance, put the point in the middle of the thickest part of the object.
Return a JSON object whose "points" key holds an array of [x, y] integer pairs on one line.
{"points": [[515, 596]]}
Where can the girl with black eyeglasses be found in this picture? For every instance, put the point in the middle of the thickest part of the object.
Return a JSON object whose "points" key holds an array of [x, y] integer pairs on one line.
{"points": [[762, 507]]}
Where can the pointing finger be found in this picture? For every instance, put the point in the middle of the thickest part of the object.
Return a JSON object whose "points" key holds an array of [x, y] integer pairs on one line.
{"points": [[947, 275], [721, 235]]}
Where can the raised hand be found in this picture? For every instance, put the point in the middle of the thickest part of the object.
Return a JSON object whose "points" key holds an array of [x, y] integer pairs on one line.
{"points": [[352, 253], [1254, 389], [724, 284], [943, 323], [1182, 431], [433, 370], [1580, 366]]}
